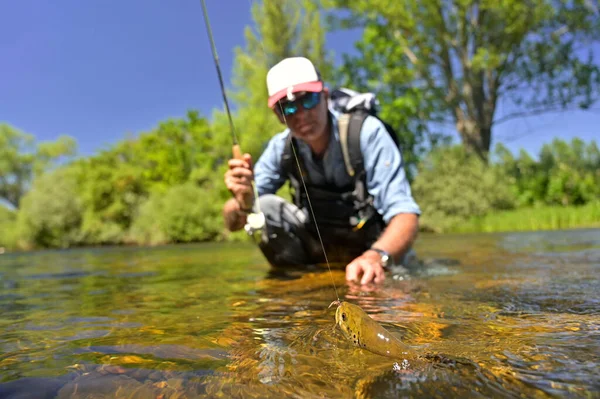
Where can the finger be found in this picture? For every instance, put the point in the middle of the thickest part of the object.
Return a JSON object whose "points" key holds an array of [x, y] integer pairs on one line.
{"points": [[368, 276], [241, 172], [379, 275], [243, 180], [352, 272], [238, 184], [238, 189], [240, 175], [248, 159], [238, 163]]}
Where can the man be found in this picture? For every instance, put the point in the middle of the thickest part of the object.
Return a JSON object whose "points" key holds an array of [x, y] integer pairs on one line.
{"points": [[364, 235]]}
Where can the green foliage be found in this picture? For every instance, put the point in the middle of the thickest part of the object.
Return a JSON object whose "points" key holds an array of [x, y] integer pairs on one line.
{"points": [[22, 159], [453, 62], [566, 174], [454, 185], [8, 237], [534, 218], [111, 190], [459, 192], [96, 200], [117, 181], [431, 63], [185, 213], [51, 212]]}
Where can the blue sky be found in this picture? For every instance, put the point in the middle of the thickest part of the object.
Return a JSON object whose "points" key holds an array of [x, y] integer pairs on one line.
{"points": [[99, 70]]}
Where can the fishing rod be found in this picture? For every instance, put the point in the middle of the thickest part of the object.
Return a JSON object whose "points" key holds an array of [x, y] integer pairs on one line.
{"points": [[255, 221], [237, 151]]}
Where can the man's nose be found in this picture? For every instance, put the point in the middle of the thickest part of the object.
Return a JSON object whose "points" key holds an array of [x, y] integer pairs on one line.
{"points": [[301, 113]]}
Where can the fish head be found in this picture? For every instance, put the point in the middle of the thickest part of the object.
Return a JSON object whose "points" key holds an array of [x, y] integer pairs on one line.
{"points": [[343, 317]]}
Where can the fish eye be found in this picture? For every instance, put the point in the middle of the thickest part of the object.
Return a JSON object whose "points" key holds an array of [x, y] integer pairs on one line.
{"points": [[344, 316]]}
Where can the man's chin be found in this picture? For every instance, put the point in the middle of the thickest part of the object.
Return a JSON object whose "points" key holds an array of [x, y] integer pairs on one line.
{"points": [[306, 133], [307, 138]]}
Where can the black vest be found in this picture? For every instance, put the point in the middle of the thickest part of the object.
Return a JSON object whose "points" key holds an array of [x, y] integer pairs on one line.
{"points": [[344, 215]]}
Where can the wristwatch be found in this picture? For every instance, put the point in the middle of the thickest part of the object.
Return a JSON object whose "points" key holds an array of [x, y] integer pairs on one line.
{"points": [[385, 257]]}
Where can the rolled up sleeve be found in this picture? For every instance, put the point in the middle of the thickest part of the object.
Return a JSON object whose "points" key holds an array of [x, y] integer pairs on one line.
{"points": [[385, 173]]}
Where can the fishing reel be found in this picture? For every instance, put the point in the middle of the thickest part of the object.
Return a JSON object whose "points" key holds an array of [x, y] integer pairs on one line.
{"points": [[255, 220], [255, 224]]}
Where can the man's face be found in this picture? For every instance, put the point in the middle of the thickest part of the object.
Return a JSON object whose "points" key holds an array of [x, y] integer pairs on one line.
{"points": [[306, 115]]}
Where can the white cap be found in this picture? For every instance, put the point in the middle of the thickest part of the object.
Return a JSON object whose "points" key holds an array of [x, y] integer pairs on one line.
{"points": [[292, 75]]}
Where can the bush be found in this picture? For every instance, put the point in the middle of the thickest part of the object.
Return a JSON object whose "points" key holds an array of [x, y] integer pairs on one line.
{"points": [[51, 212], [452, 186], [8, 226], [185, 213]]}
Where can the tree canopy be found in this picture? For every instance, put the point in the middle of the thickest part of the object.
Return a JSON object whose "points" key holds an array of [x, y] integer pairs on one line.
{"points": [[453, 62], [22, 159]]}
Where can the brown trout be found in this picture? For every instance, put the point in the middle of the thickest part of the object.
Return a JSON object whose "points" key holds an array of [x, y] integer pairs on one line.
{"points": [[366, 333]]}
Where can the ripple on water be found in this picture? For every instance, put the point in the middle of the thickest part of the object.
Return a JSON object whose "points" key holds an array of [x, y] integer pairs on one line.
{"points": [[518, 321]]}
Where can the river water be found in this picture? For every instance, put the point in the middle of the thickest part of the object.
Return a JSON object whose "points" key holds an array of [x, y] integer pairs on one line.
{"points": [[494, 315]]}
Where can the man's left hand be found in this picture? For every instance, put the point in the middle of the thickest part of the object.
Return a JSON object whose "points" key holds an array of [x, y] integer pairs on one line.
{"points": [[369, 266]]}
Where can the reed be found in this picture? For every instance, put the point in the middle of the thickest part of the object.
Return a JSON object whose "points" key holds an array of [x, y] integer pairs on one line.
{"points": [[536, 218]]}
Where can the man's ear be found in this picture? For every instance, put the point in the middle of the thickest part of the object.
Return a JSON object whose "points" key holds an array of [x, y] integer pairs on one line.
{"points": [[279, 116]]}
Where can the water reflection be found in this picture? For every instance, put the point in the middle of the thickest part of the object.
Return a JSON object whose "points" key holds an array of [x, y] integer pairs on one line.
{"points": [[492, 315]]}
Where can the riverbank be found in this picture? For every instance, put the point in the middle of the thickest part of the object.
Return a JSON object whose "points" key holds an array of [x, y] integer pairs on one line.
{"points": [[524, 219], [534, 219]]}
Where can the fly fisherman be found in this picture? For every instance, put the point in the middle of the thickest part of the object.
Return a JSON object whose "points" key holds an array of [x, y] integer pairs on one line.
{"points": [[363, 209]]}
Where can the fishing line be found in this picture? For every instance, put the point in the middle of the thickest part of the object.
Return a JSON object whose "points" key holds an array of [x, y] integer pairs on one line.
{"points": [[236, 148], [300, 173]]}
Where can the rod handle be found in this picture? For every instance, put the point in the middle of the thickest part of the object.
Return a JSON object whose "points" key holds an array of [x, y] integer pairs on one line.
{"points": [[237, 152]]}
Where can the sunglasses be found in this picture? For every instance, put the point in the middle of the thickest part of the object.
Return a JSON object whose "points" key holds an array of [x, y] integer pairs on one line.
{"points": [[308, 101]]}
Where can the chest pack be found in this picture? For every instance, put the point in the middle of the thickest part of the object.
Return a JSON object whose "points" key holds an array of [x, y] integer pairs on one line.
{"points": [[352, 202]]}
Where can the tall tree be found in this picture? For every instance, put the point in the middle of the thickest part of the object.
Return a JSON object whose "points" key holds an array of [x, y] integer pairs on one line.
{"points": [[282, 28], [22, 159], [452, 61]]}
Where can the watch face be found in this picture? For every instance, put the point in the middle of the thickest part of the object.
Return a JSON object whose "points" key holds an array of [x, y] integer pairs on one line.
{"points": [[385, 259]]}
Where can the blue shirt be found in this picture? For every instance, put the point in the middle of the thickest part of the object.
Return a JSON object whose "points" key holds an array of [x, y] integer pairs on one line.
{"points": [[385, 175]]}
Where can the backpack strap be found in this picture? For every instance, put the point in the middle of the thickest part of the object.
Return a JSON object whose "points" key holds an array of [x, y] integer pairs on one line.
{"points": [[343, 125], [350, 126], [354, 152]]}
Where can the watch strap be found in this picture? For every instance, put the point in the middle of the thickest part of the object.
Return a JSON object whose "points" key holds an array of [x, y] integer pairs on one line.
{"points": [[383, 255]]}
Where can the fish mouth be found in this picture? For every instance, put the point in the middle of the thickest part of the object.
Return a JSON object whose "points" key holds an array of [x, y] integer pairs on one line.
{"points": [[337, 302]]}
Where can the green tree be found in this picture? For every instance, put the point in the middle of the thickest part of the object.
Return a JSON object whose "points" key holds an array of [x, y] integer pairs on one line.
{"points": [[22, 159], [7, 227], [454, 185], [566, 173], [116, 182], [162, 219], [284, 28], [453, 61], [51, 211]]}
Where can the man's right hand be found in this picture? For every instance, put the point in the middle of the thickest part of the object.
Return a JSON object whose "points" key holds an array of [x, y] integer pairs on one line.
{"points": [[238, 180]]}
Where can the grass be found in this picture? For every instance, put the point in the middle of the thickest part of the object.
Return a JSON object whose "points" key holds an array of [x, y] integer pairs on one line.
{"points": [[532, 219]]}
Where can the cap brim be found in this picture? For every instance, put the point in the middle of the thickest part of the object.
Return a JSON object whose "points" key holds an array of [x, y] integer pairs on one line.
{"points": [[309, 86]]}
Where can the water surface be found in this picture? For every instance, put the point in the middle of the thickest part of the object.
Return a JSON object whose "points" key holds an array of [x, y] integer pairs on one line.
{"points": [[496, 315]]}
